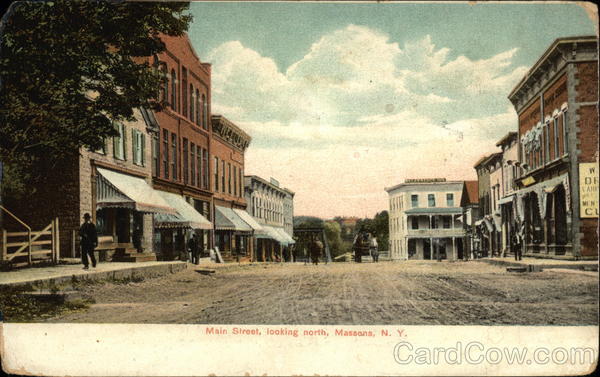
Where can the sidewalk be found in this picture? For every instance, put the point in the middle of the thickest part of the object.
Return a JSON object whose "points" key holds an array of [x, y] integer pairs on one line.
{"points": [[539, 263], [66, 274]]}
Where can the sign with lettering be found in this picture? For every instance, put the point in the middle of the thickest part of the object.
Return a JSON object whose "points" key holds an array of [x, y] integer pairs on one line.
{"points": [[588, 190]]}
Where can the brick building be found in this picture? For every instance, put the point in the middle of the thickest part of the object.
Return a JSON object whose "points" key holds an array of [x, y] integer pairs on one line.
{"points": [[510, 156], [557, 107], [181, 148], [234, 230], [469, 202]]}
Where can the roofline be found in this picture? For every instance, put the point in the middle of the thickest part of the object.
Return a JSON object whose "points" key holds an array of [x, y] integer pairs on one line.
{"points": [[269, 184], [486, 159], [219, 118], [547, 53], [392, 188]]}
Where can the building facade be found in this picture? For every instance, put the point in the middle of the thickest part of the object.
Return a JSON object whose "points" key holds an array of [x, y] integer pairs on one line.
{"points": [[266, 203], [426, 219], [233, 236], [469, 202], [181, 148], [557, 107], [510, 157], [486, 239], [288, 212]]}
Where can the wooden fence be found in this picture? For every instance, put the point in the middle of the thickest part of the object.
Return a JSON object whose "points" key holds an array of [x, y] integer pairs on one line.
{"points": [[27, 247]]}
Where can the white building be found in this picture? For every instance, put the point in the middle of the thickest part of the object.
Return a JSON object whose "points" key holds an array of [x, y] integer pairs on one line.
{"points": [[426, 219]]}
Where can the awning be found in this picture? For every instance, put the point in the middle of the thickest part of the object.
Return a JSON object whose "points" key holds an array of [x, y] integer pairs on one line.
{"points": [[186, 216], [227, 219], [489, 225], [118, 190], [248, 219], [287, 240], [272, 233], [506, 199]]}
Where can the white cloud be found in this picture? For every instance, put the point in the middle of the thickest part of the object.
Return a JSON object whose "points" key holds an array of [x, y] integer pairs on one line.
{"points": [[359, 112]]}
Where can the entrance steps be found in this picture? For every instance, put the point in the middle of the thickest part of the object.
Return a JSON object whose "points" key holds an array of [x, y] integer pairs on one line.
{"points": [[132, 255]]}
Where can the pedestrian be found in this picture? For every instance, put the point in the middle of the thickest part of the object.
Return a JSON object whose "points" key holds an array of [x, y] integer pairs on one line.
{"points": [[193, 249], [88, 241], [520, 236], [317, 249], [373, 248]]}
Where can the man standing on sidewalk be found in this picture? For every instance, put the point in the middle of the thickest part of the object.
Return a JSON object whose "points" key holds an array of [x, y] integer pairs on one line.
{"points": [[89, 241]]}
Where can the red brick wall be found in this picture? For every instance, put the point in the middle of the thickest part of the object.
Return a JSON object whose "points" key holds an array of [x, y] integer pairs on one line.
{"points": [[179, 54], [529, 117], [587, 88], [234, 157]]}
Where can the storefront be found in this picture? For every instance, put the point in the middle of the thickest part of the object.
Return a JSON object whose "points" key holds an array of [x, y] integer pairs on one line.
{"points": [[172, 231], [545, 210], [124, 209], [232, 234]]}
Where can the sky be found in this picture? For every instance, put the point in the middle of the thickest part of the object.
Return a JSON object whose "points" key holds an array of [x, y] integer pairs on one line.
{"points": [[343, 100]]}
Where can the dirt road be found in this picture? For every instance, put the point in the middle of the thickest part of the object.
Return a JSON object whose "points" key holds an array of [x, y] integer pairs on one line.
{"points": [[409, 293]]}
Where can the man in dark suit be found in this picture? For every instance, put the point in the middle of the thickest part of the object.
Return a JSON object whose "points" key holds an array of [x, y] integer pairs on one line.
{"points": [[89, 241]]}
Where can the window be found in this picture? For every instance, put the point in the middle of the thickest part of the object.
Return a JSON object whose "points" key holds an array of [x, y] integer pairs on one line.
{"points": [[431, 200], [222, 175], [414, 222], [205, 166], [192, 102], [119, 142], [565, 133], [138, 142], [193, 164], [434, 222], [166, 153], [173, 90], [204, 113], [450, 200], [216, 174], [241, 182], [155, 157], [184, 94], [185, 161], [174, 155], [235, 185], [229, 178], [198, 108], [546, 136], [446, 222], [164, 88], [414, 201]]}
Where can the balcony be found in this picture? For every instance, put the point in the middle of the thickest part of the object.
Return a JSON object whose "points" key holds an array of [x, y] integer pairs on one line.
{"points": [[435, 233]]}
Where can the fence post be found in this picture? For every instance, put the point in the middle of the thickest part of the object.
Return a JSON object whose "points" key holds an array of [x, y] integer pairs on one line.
{"points": [[57, 238], [53, 235], [29, 246], [3, 251]]}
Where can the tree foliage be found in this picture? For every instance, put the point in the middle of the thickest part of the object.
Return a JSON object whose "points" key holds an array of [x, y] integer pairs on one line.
{"points": [[53, 54]]}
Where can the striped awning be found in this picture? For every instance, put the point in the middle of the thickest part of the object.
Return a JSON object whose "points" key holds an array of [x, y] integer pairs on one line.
{"points": [[118, 190], [186, 216], [227, 219], [248, 219]]}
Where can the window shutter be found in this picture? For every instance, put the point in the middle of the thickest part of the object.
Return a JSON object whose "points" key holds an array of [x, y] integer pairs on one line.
{"points": [[134, 145], [116, 140], [143, 148], [124, 133]]}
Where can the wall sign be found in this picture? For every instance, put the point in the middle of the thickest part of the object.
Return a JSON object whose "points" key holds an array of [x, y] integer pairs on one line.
{"points": [[588, 190]]}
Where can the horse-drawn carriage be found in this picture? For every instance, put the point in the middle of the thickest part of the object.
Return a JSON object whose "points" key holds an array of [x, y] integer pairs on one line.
{"points": [[361, 246]]}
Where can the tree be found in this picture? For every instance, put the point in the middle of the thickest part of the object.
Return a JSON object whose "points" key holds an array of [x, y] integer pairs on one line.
{"points": [[381, 229], [333, 233], [54, 54]]}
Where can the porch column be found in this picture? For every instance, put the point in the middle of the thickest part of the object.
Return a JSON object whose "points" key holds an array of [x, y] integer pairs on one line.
{"points": [[431, 247], [454, 248], [452, 221], [430, 222]]}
